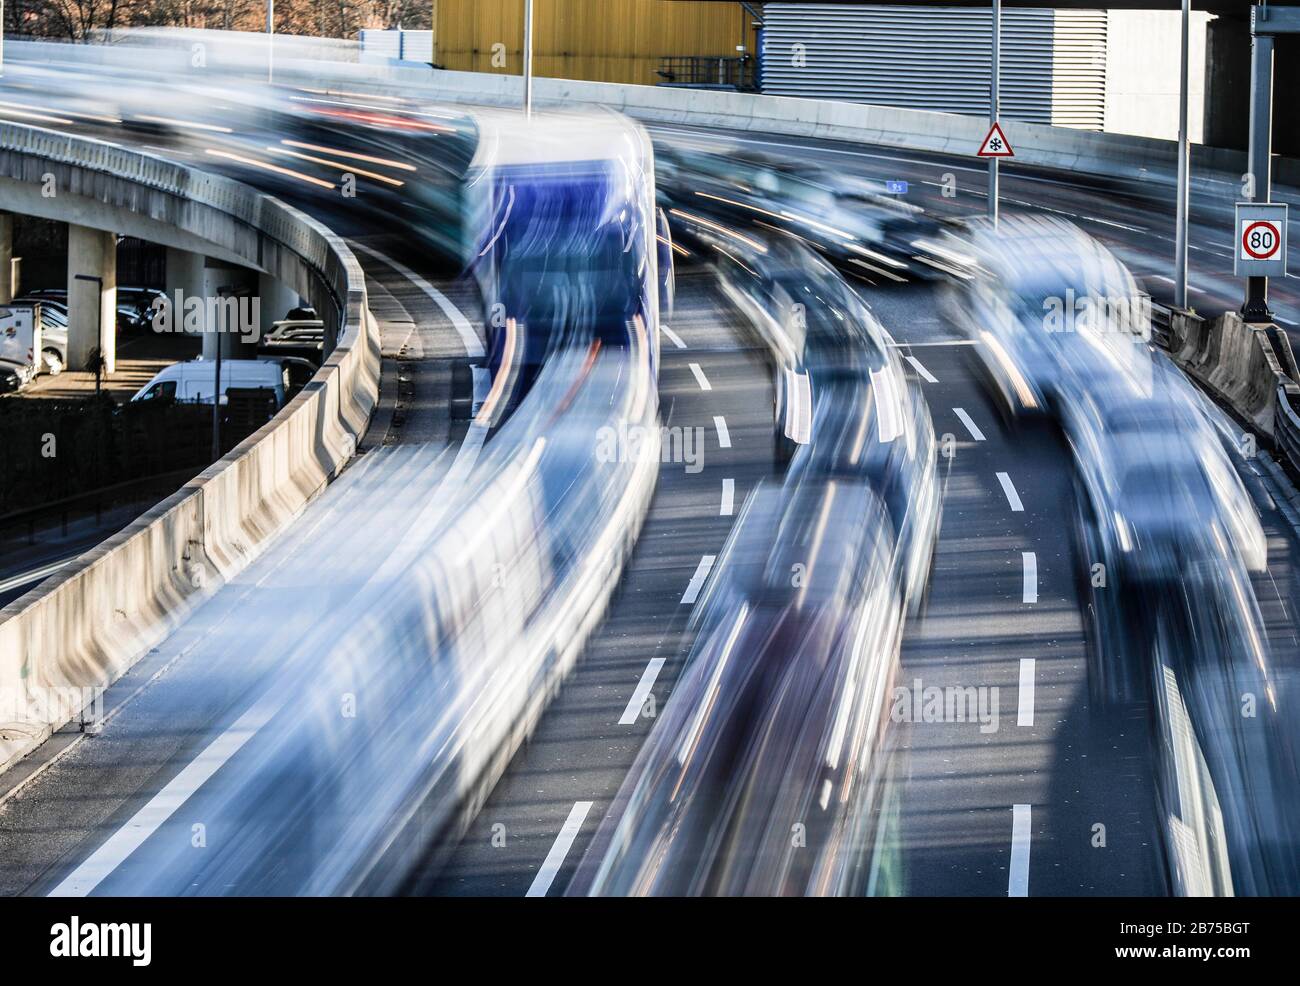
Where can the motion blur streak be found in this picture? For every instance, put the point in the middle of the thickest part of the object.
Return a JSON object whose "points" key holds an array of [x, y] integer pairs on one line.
{"points": [[1169, 535], [473, 585], [763, 776]]}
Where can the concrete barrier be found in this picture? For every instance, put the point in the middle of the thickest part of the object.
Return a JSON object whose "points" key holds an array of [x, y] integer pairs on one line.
{"points": [[1234, 360], [85, 626]]}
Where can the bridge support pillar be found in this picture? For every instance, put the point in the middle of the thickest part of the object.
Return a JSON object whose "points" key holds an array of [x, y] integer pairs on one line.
{"points": [[276, 300], [92, 297], [184, 279], [6, 257], [228, 292]]}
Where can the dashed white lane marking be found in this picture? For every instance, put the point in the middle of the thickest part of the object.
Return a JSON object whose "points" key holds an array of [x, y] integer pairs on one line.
{"points": [[1025, 702], [919, 367], [1030, 561], [673, 336], [637, 701], [701, 576], [96, 867], [724, 436], [1013, 497], [1018, 880], [468, 336], [971, 426], [559, 849], [700, 378], [728, 498]]}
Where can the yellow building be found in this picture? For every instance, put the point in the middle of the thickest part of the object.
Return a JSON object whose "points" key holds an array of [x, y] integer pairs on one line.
{"points": [[599, 40]]}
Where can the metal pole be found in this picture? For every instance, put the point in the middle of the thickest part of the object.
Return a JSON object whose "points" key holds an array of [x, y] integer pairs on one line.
{"points": [[216, 400], [270, 39], [1184, 170], [995, 65], [1260, 158], [528, 57]]}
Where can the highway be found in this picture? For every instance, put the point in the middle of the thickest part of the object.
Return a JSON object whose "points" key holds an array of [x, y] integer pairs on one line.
{"points": [[1056, 799]]}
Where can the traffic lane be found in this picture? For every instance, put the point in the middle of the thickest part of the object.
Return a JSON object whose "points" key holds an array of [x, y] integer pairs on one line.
{"points": [[97, 782], [271, 649], [426, 364], [1003, 613], [190, 687], [553, 796]]}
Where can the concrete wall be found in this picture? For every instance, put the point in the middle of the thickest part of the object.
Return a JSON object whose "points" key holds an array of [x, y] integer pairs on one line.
{"points": [[88, 624], [1142, 69]]}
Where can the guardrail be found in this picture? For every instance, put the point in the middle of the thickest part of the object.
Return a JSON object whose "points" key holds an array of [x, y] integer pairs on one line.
{"points": [[88, 624]]}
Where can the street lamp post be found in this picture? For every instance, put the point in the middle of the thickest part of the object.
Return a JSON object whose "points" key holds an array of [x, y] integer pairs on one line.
{"points": [[528, 57], [1184, 172], [270, 39], [994, 71]]}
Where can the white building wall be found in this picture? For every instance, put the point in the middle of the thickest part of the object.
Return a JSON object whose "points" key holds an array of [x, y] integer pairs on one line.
{"points": [[1142, 66]]}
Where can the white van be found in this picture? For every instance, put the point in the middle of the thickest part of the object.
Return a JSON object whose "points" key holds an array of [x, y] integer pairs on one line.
{"points": [[192, 381]]}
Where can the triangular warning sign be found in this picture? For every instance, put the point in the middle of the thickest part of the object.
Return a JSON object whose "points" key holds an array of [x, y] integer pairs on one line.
{"points": [[996, 144]]}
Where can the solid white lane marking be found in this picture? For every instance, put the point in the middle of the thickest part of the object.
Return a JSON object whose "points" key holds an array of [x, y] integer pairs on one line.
{"points": [[939, 342], [676, 339], [919, 367], [1025, 703], [468, 336], [971, 426], [701, 576], [724, 436], [145, 822], [1030, 561], [637, 701], [1013, 497], [700, 378], [1018, 880], [559, 849], [728, 497]]}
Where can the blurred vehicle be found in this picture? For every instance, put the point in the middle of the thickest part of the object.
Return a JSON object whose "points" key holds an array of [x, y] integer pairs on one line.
{"points": [[192, 380], [761, 775], [873, 235], [565, 249], [1228, 752], [843, 408], [1047, 303]]}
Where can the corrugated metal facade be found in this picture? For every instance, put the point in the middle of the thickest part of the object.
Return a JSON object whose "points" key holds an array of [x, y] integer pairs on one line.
{"points": [[1053, 61]]}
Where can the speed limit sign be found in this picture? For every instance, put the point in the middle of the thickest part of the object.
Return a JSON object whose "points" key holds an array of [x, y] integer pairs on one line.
{"points": [[1261, 240]]}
